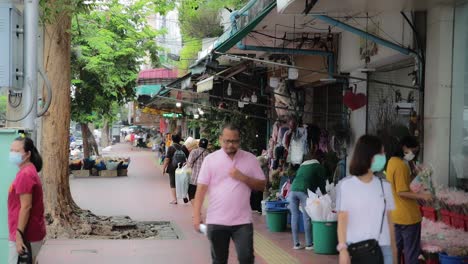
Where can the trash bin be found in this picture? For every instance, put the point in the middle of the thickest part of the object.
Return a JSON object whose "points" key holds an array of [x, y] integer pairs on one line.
{"points": [[276, 219], [325, 237]]}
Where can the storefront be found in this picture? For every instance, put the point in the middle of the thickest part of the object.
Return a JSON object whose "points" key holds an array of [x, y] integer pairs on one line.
{"points": [[459, 116]]}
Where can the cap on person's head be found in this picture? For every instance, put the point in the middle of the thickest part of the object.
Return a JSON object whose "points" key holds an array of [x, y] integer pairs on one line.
{"points": [[203, 143]]}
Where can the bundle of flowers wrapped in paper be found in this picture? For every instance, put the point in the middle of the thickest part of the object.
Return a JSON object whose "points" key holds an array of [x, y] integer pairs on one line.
{"points": [[438, 237], [454, 200], [423, 183]]}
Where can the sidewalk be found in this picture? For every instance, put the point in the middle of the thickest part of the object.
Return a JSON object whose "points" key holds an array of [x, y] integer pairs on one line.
{"points": [[144, 196]]}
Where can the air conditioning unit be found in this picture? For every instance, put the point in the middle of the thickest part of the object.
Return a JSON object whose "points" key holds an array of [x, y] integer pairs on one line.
{"points": [[11, 47]]}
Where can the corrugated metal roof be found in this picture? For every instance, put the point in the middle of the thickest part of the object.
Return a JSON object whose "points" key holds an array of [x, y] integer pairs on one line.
{"points": [[161, 73]]}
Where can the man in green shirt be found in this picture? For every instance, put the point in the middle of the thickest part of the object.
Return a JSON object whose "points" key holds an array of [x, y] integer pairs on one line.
{"points": [[310, 176]]}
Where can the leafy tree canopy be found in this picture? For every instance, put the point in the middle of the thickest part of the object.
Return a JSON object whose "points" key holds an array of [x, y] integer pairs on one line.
{"points": [[200, 18], [109, 44]]}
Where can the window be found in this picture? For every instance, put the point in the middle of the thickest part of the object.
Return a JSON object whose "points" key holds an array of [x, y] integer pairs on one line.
{"points": [[459, 122]]}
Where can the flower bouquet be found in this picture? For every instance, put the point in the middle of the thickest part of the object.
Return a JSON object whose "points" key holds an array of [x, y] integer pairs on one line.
{"points": [[423, 183]]}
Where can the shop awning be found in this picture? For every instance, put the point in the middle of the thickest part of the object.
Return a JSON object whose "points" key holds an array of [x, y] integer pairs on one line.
{"points": [[150, 90], [230, 38]]}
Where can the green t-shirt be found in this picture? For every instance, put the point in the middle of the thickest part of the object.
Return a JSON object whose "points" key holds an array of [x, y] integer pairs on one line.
{"points": [[310, 176]]}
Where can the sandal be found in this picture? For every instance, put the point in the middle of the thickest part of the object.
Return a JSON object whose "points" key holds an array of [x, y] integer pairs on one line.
{"points": [[173, 202]]}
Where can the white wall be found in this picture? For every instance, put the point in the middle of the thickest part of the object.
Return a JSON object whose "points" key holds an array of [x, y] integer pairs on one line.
{"points": [[438, 91], [392, 27]]}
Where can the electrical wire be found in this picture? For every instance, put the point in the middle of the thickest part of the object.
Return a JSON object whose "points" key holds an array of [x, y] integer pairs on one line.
{"points": [[15, 104], [49, 93], [33, 101]]}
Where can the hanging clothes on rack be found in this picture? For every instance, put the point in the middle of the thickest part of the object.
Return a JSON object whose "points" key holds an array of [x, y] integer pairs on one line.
{"points": [[298, 146]]}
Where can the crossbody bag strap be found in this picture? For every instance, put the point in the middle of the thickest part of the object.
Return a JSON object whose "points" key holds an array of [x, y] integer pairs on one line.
{"points": [[385, 208], [199, 156]]}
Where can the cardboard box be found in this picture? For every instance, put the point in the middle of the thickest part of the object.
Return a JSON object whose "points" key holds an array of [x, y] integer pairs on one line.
{"points": [[122, 172], [80, 173], [108, 173]]}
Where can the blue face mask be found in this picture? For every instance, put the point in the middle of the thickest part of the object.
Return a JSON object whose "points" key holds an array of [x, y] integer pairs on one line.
{"points": [[379, 163], [15, 158]]}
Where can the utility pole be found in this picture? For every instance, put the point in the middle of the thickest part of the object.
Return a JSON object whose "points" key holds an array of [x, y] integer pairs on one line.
{"points": [[31, 24]]}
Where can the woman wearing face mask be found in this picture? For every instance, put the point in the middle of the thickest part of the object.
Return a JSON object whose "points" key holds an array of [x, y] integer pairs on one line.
{"points": [[406, 216], [365, 227], [25, 200]]}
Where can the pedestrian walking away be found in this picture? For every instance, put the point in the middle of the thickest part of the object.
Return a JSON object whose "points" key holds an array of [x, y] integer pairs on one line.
{"points": [[26, 222], [176, 156], [195, 161], [228, 176]]}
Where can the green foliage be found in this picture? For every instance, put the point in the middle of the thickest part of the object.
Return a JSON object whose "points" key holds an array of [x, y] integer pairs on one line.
{"points": [[188, 53], [3, 106], [215, 119], [200, 18], [108, 46]]}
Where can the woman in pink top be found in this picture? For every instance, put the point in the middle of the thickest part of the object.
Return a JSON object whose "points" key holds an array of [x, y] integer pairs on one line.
{"points": [[25, 201]]}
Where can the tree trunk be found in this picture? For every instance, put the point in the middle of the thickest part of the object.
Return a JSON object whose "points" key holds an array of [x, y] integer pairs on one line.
{"points": [[55, 135], [105, 134], [92, 140], [84, 135]]}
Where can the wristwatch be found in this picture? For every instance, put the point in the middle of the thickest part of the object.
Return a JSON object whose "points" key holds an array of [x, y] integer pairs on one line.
{"points": [[341, 246]]}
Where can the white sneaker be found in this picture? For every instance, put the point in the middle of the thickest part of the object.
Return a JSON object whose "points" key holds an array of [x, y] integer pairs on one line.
{"points": [[311, 247], [298, 246]]}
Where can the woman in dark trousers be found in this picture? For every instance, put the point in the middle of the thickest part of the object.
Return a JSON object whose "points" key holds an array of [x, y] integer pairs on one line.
{"points": [[406, 216]]}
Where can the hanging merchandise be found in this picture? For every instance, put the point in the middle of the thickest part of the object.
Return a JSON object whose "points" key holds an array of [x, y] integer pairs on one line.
{"points": [[240, 104], [229, 90], [293, 73], [254, 98], [283, 99], [274, 82], [298, 146], [324, 141], [354, 101]]}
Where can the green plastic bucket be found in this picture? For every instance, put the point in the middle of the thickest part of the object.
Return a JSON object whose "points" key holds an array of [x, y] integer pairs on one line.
{"points": [[277, 220], [325, 237]]}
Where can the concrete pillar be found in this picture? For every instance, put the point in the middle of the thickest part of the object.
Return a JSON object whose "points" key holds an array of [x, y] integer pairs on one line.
{"points": [[438, 90]]}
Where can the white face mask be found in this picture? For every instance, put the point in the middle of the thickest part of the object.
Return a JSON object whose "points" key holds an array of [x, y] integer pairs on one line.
{"points": [[409, 156]]}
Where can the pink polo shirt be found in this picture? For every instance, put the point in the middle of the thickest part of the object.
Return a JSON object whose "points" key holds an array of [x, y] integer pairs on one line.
{"points": [[229, 199]]}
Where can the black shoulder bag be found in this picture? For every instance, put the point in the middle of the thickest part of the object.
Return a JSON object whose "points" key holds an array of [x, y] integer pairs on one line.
{"points": [[369, 251], [26, 257]]}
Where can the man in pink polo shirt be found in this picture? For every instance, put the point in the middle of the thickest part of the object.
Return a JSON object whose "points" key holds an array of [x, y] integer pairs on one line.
{"points": [[228, 176]]}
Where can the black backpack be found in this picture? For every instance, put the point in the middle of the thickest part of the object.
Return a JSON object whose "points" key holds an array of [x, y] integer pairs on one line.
{"points": [[179, 157]]}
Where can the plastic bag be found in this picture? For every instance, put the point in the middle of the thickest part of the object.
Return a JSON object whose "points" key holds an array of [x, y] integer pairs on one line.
{"points": [[182, 177], [285, 189], [320, 207]]}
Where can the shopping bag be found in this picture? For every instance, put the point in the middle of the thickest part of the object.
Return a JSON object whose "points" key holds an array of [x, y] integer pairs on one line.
{"points": [[182, 177]]}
